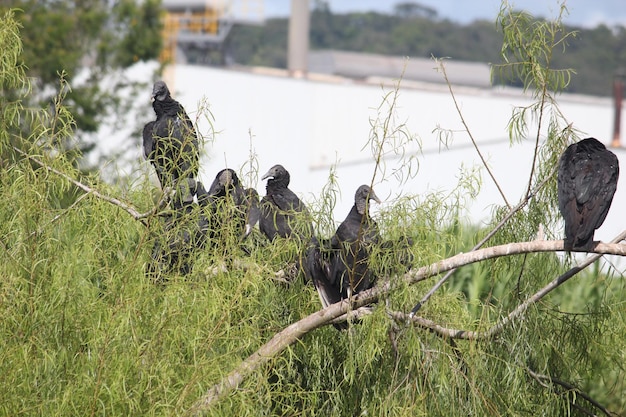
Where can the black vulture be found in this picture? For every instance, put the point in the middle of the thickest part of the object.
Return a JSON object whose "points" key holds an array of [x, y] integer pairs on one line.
{"points": [[339, 267], [170, 142], [587, 180], [242, 213], [280, 208], [254, 212], [184, 232], [354, 238], [227, 182], [317, 264]]}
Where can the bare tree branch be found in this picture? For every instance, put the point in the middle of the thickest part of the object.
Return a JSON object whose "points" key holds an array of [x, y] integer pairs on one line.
{"points": [[512, 210], [295, 331], [442, 67], [444, 332], [276, 345], [480, 244], [497, 328], [126, 207]]}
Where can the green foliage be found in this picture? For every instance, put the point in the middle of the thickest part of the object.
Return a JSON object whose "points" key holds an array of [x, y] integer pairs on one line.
{"points": [[85, 332], [528, 50], [56, 35], [13, 82], [63, 38], [140, 27]]}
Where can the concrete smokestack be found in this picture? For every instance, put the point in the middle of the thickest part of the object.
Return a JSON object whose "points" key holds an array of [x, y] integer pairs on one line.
{"points": [[298, 49], [618, 92]]}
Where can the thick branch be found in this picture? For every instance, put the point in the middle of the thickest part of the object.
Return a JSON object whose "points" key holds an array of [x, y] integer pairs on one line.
{"points": [[439, 330], [292, 333], [276, 345], [497, 328], [462, 259]]}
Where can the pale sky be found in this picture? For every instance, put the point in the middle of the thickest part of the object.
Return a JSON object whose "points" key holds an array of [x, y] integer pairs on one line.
{"points": [[581, 12]]}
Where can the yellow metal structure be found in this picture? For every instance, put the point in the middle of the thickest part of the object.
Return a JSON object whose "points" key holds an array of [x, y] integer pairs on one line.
{"points": [[198, 22], [204, 24]]}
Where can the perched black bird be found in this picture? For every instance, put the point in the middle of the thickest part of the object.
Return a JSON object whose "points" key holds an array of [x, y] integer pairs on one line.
{"points": [[339, 267], [317, 264], [318, 259], [587, 180], [170, 142], [253, 210], [184, 233], [227, 182], [280, 207], [242, 213], [354, 238]]}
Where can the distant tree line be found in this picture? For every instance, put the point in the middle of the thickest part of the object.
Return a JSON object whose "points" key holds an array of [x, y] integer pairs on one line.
{"points": [[413, 30]]}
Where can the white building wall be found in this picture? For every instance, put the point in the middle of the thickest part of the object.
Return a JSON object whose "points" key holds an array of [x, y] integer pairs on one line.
{"points": [[308, 125]]}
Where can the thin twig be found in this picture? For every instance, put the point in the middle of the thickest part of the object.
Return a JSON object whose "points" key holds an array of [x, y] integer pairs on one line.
{"points": [[469, 133], [512, 210], [323, 317], [58, 216], [129, 209], [569, 387]]}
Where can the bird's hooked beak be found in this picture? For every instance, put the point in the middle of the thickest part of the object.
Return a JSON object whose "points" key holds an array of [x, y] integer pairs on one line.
{"points": [[268, 174], [159, 91], [374, 197]]}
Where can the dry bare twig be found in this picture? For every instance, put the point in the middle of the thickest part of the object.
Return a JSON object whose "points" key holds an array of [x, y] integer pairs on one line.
{"points": [[89, 190], [442, 67]]}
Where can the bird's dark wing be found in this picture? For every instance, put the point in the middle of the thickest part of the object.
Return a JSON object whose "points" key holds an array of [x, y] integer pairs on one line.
{"points": [[186, 147], [216, 188], [567, 192], [587, 180], [204, 199], [279, 215], [148, 140], [317, 269], [287, 201], [355, 226], [174, 151], [252, 210], [317, 265], [151, 148], [595, 190], [350, 270], [271, 221], [353, 240], [188, 123]]}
